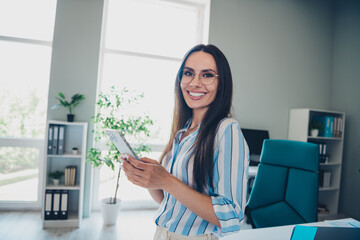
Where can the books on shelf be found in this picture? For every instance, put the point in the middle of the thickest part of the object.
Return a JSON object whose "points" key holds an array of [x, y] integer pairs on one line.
{"points": [[322, 209], [56, 139], [328, 126], [332, 126], [324, 179], [338, 127], [323, 156], [56, 204], [70, 175]]}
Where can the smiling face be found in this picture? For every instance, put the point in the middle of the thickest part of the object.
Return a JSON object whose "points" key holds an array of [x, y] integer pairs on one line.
{"points": [[197, 95]]}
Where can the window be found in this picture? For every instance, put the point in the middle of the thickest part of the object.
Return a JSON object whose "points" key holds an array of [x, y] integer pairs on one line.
{"points": [[143, 45], [26, 32]]}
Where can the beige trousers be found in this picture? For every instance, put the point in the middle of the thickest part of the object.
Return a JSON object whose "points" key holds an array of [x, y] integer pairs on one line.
{"points": [[163, 234]]}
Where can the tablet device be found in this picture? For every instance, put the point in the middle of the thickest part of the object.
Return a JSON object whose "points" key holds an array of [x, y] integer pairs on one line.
{"points": [[118, 139]]}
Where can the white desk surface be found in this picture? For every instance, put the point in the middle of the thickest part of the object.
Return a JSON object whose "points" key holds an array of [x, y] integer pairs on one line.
{"points": [[284, 232]]}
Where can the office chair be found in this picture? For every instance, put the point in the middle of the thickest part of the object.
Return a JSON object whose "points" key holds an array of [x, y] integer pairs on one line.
{"points": [[285, 190]]}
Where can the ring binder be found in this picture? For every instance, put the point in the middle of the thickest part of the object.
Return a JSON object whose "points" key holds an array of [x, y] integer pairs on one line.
{"points": [[64, 204], [48, 204]]}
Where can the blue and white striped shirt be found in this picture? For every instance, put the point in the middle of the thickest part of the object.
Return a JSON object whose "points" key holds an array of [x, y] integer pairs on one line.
{"points": [[230, 178]]}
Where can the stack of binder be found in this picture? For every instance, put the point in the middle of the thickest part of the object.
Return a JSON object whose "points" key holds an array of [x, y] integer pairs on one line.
{"points": [[324, 179], [56, 139], [56, 204], [70, 175], [323, 156]]}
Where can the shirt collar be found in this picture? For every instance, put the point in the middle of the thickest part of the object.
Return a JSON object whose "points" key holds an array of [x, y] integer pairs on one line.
{"points": [[185, 128]]}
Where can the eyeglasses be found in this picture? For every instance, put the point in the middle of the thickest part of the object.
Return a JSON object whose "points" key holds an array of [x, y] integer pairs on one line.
{"points": [[206, 77]]}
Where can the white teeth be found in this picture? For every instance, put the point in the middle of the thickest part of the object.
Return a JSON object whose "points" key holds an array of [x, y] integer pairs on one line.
{"points": [[196, 94]]}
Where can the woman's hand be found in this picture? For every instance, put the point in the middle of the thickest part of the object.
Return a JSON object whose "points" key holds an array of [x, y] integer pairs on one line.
{"points": [[147, 173], [152, 175]]}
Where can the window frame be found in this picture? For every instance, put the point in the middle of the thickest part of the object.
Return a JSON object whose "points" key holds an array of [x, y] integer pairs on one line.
{"points": [[26, 142], [203, 36], [37, 143]]}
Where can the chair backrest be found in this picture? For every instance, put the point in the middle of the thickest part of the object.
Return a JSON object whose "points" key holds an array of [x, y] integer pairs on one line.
{"points": [[285, 189]]}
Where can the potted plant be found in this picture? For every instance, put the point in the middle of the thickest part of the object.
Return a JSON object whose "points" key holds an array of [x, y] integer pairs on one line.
{"points": [[315, 127], [55, 176], [75, 150], [112, 107], [70, 105]]}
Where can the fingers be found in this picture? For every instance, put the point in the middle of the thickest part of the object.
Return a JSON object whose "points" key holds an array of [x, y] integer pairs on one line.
{"points": [[133, 161], [131, 170], [148, 160]]}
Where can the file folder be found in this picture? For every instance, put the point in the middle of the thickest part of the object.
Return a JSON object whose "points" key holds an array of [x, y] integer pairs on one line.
{"points": [[324, 233], [64, 204], [55, 139], [61, 140], [50, 138], [56, 204], [48, 204]]}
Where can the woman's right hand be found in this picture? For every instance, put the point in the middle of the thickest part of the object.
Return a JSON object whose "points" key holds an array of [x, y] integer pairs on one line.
{"points": [[147, 173]]}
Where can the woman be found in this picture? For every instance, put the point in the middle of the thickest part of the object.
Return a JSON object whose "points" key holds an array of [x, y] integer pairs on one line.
{"points": [[200, 181]]}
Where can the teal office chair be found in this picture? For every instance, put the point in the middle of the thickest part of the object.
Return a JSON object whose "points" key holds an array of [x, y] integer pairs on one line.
{"points": [[285, 189]]}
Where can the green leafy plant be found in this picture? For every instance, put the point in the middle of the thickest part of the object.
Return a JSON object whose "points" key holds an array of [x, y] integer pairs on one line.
{"points": [[56, 174], [114, 111], [315, 124], [70, 105]]}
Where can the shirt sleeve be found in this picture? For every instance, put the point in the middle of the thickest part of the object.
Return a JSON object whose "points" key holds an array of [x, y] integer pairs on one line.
{"points": [[230, 176]]}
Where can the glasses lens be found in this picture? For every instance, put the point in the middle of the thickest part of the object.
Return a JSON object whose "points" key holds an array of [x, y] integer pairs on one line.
{"points": [[187, 76], [207, 77]]}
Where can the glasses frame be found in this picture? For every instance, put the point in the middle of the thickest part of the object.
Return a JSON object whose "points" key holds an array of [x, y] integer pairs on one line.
{"points": [[200, 77]]}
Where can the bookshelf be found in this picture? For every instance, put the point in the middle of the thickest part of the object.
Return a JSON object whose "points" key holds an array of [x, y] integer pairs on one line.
{"points": [[63, 203], [330, 150]]}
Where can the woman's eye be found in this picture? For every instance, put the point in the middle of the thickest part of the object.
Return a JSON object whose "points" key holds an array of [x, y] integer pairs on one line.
{"points": [[189, 74], [208, 75]]}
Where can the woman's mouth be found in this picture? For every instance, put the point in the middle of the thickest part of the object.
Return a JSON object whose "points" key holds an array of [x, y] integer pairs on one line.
{"points": [[196, 95]]}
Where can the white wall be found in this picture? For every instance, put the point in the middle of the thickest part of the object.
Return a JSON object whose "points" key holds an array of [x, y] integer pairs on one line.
{"points": [[346, 97], [287, 54], [280, 53], [74, 66]]}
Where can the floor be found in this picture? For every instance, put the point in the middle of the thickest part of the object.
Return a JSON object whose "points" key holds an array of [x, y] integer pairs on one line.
{"points": [[131, 225], [28, 225]]}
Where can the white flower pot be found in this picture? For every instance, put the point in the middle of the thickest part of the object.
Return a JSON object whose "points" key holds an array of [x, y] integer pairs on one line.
{"points": [[314, 132], [56, 182], [110, 211]]}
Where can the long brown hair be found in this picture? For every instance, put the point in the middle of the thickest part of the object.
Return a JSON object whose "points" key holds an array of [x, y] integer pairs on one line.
{"points": [[218, 110]]}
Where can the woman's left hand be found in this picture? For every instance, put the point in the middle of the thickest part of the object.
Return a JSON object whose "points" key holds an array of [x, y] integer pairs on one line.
{"points": [[146, 173]]}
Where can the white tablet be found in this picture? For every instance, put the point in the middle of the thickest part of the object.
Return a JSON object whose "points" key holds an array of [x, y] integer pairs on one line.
{"points": [[118, 139]]}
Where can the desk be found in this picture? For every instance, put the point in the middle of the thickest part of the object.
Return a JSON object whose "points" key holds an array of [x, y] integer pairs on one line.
{"points": [[284, 232]]}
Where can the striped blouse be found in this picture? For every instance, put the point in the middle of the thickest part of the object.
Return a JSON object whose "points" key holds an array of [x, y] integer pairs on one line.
{"points": [[230, 178]]}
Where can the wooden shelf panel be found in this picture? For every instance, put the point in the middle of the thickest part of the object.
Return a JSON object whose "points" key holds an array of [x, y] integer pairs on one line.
{"points": [[323, 189], [62, 187], [67, 155]]}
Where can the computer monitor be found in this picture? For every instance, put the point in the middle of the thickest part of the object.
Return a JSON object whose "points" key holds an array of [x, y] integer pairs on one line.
{"points": [[255, 139]]}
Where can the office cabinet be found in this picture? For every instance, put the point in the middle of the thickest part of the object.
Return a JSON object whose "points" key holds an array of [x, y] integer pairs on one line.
{"points": [[66, 152], [330, 140]]}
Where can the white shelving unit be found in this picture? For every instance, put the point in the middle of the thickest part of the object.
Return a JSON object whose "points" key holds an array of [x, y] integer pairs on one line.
{"points": [[299, 130], [75, 136]]}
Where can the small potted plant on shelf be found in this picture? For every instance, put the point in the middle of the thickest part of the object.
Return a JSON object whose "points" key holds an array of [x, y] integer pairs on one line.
{"points": [[55, 176], [70, 105], [315, 127], [111, 107], [75, 150]]}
